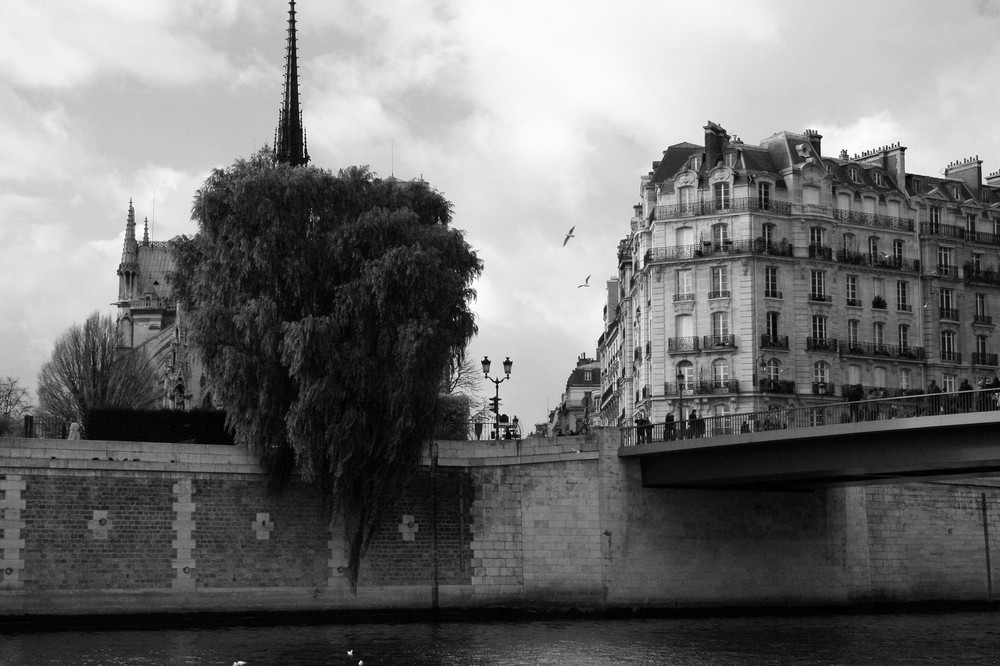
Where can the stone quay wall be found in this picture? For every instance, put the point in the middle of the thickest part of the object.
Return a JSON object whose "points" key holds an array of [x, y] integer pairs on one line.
{"points": [[90, 527]]}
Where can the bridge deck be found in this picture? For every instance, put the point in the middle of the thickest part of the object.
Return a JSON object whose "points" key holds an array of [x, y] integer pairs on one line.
{"points": [[928, 443]]}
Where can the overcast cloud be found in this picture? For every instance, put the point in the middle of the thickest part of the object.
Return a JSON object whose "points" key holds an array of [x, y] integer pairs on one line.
{"points": [[531, 117]]}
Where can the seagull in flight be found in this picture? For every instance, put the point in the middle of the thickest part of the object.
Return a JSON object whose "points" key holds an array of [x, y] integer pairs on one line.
{"points": [[586, 283], [569, 234]]}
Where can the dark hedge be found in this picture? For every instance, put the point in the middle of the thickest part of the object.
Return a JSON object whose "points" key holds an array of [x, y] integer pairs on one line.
{"points": [[198, 426]]}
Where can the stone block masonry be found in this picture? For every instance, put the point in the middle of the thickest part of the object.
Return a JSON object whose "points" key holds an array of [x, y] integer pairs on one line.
{"points": [[125, 527]]}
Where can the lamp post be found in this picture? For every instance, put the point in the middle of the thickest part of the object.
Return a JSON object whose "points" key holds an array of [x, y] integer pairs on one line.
{"points": [[680, 397], [758, 363], [496, 382]]}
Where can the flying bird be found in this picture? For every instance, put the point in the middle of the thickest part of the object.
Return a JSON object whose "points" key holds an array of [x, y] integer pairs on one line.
{"points": [[239, 663], [569, 234], [586, 283], [350, 653]]}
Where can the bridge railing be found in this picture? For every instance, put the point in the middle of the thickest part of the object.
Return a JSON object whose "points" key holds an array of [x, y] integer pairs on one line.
{"points": [[854, 411]]}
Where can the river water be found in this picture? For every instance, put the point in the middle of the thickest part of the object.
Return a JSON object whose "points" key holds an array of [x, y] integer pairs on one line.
{"points": [[931, 638]]}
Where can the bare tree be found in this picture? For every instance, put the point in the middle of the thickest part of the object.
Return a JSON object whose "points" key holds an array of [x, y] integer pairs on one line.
{"points": [[465, 377], [13, 403], [91, 368]]}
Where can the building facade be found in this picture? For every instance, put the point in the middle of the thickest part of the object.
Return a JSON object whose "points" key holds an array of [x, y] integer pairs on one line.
{"points": [[771, 275], [578, 406]]}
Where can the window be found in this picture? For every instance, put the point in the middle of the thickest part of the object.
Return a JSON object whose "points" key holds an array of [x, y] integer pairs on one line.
{"points": [[948, 349], [982, 344], [852, 331], [685, 285], [588, 375], [948, 383], [903, 296], [873, 247], [817, 285], [878, 334], [946, 256], [878, 288], [934, 217], [764, 197], [980, 307], [685, 197], [720, 373], [771, 324], [695, 163], [771, 282], [946, 301], [685, 237], [720, 282], [917, 186], [879, 179], [819, 327], [956, 192], [686, 369], [878, 377], [684, 326], [904, 336], [970, 224], [821, 372], [773, 370], [905, 379], [851, 287], [720, 234], [816, 236], [850, 243], [996, 227], [853, 174], [729, 159], [721, 194], [767, 232], [854, 374], [977, 263], [720, 324]]}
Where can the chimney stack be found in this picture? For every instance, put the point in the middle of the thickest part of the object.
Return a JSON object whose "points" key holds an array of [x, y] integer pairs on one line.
{"points": [[715, 141]]}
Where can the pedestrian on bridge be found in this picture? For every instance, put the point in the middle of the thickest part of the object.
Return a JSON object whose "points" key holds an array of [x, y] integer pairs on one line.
{"points": [[934, 397], [669, 427]]}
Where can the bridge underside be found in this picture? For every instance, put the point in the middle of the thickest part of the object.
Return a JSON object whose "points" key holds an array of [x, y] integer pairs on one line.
{"points": [[880, 451]]}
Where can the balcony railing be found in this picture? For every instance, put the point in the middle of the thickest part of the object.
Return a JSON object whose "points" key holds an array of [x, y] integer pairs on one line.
{"points": [[710, 249], [904, 307], [821, 298], [824, 388], [715, 341], [683, 297], [951, 231], [877, 260], [774, 341], [951, 356], [982, 319], [878, 303], [874, 349], [742, 205], [683, 344], [854, 302], [978, 275], [821, 344], [873, 220], [776, 386], [702, 388], [949, 313], [982, 358], [947, 270], [772, 293], [820, 252]]}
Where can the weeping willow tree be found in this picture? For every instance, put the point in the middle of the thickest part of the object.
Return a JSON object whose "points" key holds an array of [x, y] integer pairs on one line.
{"points": [[328, 309]]}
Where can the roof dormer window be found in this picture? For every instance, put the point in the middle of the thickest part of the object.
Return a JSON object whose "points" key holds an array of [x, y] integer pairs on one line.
{"points": [[695, 163], [729, 159], [853, 174], [879, 179]]}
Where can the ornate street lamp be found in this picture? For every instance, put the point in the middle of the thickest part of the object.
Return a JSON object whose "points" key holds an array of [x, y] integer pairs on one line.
{"points": [[507, 364], [680, 396]]}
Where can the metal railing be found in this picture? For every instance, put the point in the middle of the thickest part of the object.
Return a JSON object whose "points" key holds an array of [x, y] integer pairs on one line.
{"points": [[873, 220], [773, 341], [709, 249], [741, 205], [877, 260], [683, 344], [879, 349], [854, 411]]}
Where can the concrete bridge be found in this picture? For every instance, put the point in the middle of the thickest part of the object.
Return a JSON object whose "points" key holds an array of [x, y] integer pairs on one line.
{"points": [[892, 439]]}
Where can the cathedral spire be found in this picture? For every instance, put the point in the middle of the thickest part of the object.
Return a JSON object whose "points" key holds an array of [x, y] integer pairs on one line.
{"points": [[290, 136]]}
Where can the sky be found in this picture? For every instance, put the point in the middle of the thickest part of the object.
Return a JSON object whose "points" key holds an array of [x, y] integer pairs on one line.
{"points": [[530, 117]]}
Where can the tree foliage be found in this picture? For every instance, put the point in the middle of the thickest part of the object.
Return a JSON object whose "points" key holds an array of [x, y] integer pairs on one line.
{"points": [[327, 310], [90, 367], [14, 402]]}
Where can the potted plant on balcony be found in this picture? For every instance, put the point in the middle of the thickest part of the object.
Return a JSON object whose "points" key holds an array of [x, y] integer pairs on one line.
{"points": [[879, 303]]}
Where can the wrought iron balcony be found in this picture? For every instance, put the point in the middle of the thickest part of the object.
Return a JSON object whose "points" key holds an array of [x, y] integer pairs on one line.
{"points": [[873, 220], [716, 341], [951, 356], [774, 341], [710, 249], [952, 231], [683, 297], [824, 388], [742, 205], [820, 252], [878, 303], [947, 270], [772, 293], [821, 344], [982, 358], [722, 293], [872, 349], [949, 313], [683, 344], [854, 302], [821, 298], [776, 386], [904, 307], [671, 388], [983, 319], [979, 275], [877, 260]]}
